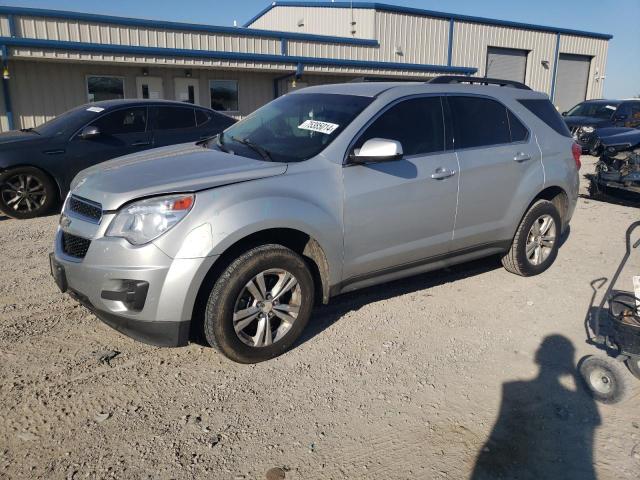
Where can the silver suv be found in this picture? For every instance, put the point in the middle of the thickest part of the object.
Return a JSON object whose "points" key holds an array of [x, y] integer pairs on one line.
{"points": [[323, 191]]}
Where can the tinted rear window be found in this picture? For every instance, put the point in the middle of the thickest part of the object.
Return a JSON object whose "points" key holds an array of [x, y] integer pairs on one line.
{"points": [[519, 132], [170, 118], [545, 111], [479, 122]]}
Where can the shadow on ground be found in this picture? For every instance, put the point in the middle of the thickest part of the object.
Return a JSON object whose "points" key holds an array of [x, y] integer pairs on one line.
{"points": [[544, 430]]}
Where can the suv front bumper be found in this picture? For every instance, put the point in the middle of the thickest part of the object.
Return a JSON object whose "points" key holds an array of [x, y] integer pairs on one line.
{"points": [[139, 291]]}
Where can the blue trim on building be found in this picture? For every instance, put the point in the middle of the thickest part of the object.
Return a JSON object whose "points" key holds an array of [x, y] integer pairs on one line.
{"points": [[138, 22], [239, 56], [430, 13], [6, 93], [12, 25], [554, 75], [450, 49]]}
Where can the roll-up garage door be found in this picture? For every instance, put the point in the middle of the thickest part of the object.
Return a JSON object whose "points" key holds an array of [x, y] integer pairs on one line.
{"points": [[571, 80], [506, 63]]}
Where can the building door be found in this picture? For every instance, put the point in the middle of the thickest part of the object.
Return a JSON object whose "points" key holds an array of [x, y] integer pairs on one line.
{"points": [[507, 63], [150, 87], [571, 80], [187, 90]]}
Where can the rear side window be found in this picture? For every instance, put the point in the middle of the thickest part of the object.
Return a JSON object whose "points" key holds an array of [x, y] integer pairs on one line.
{"points": [[416, 123], [202, 117], [519, 132], [478, 122], [545, 111], [171, 118]]}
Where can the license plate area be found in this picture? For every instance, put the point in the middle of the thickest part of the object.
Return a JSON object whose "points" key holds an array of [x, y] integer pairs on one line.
{"points": [[58, 273]]}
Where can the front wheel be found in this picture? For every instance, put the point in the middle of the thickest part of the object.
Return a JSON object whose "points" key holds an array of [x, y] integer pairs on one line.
{"points": [[260, 304], [605, 378], [535, 244], [26, 192]]}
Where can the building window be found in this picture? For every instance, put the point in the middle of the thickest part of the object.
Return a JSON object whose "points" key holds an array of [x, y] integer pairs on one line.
{"points": [[224, 95], [104, 88]]}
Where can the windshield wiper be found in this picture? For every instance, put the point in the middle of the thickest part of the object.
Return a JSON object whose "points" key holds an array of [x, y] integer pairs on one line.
{"points": [[256, 148], [30, 129]]}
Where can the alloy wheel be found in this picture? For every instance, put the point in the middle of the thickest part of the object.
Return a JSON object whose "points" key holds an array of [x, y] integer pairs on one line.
{"points": [[267, 307], [541, 239], [23, 193]]}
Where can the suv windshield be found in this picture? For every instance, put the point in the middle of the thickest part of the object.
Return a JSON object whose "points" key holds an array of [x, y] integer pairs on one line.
{"points": [[294, 127], [597, 110]]}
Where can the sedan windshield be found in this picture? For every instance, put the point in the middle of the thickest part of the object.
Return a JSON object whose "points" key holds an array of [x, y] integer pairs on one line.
{"points": [[68, 121], [597, 110], [294, 127]]}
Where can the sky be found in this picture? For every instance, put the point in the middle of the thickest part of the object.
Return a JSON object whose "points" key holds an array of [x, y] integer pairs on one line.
{"points": [[617, 17]]}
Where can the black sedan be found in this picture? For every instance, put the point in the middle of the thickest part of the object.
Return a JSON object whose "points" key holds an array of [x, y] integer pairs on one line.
{"points": [[38, 164]]}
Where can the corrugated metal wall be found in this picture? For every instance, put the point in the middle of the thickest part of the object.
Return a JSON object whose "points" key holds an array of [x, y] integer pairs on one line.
{"points": [[472, 39], [34, 102], [319, 21]]}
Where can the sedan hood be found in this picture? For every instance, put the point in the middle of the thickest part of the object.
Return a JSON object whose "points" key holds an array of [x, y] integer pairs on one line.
{"points": [[178, 168], [620, 136], [579, 121], [15, 136]]}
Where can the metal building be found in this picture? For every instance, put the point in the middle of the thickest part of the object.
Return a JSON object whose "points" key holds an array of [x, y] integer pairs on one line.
{"points": [[55, 60]]}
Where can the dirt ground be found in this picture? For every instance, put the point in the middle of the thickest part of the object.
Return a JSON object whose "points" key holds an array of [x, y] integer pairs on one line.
{"points": [[408, 380]]}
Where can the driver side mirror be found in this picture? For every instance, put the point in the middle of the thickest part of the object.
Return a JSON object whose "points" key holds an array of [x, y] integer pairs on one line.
{"points": [[377, 150], [89, 132], [564, 114]]}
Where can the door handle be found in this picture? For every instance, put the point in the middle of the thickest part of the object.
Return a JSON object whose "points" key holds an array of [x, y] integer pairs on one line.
{"points": [[521, 157], [140, 144], [442, 173]]}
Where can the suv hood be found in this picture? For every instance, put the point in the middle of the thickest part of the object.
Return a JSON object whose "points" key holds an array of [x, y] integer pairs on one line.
{"points": [[174, 169]]}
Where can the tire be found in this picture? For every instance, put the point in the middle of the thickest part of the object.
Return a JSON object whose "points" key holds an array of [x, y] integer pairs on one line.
{"points": [[633, 364], [232, 293], [34, 190], [605, 378], [516, 259]]}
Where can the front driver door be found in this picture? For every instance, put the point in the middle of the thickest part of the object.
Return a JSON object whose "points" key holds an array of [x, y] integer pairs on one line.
{"points": [[122, 132], [401, 213]]}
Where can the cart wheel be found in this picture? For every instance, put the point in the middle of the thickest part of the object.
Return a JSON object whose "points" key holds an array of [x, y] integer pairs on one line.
{"points": [[633, 364], [605, 378]]}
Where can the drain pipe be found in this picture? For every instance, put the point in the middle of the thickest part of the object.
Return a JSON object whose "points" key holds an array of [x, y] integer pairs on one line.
{"points": [[297, 74]]}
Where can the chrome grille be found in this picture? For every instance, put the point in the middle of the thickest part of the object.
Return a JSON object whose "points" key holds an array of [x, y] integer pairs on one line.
{"points": [[75, 246], [84, 208]]}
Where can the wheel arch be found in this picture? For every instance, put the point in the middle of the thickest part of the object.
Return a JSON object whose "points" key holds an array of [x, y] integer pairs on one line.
{"points": [[300, 242], [560, 199]]}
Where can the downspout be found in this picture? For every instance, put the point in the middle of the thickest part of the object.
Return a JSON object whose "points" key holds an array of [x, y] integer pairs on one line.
{"points": [[5, 86], [554, 75], [297, 74], [450, 52]]}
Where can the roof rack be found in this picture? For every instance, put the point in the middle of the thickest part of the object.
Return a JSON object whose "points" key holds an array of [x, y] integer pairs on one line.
{"points": [[479, 80]]}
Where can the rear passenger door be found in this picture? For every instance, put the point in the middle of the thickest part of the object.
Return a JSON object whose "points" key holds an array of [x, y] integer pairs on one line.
{"points": [[173, 124], [399, 213], [500, 170]]}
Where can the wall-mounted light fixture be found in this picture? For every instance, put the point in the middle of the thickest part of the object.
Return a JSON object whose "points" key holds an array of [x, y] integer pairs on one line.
{"points": [[145, 72], [5, 73], [187, 73], [301, 22], [545, 64], [399, 51]]}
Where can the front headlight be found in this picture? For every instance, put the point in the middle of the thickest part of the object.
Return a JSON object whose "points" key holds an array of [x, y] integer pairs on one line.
{"points": [[588, 129], [143, 221]]}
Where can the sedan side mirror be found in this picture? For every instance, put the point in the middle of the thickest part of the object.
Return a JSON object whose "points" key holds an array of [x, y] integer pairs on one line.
{"points": [[89, 132], [377, 150], [564, 114]]}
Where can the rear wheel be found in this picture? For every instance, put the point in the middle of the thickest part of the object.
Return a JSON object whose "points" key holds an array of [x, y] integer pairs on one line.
{"points": [[260, 304], [26, 192], [535, 245], [605, 378]]}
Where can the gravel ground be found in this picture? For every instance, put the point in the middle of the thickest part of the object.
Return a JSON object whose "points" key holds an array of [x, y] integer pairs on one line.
{"points": [[414, 379]]}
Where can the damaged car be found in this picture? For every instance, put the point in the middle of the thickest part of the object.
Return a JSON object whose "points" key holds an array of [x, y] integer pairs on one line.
{"points": [[618, 169]]}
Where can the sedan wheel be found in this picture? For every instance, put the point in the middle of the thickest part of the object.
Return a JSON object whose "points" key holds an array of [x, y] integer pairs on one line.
{"points": [[26, 193]]}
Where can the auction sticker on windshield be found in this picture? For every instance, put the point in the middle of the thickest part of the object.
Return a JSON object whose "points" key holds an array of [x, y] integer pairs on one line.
{"points": [[95, 109], [318, 126]]}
